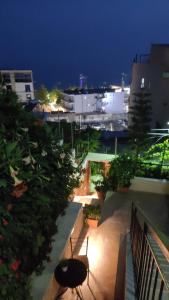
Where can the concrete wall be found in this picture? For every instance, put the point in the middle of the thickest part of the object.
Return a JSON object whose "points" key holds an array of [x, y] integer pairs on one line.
{"points": [[20, 90], [85, 103], [158, 186], [87, 118]]}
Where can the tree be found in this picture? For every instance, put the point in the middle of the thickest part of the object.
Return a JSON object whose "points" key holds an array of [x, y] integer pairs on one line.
{"points": [[56, 96], [36, 179], [43, 95], [140, 118]]}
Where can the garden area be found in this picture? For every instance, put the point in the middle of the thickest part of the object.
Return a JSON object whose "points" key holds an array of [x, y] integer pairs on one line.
{"points": [[154, 163]]}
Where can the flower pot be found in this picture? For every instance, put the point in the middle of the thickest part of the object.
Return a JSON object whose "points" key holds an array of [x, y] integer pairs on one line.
{"points": [[123, 189], [92, 222], [101, 195]]}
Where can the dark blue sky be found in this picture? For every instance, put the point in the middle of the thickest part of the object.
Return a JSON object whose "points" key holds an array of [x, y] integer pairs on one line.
{"points": [[59, 39]]}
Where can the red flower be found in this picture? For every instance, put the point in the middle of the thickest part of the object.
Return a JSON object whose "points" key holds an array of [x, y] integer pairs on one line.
{"points": [[5, 222], [15, 265], [1, 237], [19, 190]]}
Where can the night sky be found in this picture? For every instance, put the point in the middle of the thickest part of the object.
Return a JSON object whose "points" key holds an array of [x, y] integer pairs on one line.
{"points": [[59, 39]]}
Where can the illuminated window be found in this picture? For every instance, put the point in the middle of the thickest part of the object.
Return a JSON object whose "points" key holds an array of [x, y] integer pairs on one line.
{"points": [[142, 83], [28, 96]]}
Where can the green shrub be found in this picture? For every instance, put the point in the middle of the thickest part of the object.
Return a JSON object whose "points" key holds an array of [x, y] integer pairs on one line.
{"points": [[36, 179], [122, 170], [92, 212]]}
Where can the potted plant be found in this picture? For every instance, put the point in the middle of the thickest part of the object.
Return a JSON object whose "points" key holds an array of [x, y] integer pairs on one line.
{"points": [[101, 187], [121, 172], [92, 215]]}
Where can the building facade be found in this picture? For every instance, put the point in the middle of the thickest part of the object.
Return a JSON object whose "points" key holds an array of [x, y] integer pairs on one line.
{"points": [[99, 100], [152, 72], [20, 82]]}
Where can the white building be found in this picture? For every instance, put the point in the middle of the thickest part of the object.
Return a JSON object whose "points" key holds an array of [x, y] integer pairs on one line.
{"points": [[84, 103], [19, 81], [98, 100], [113, 103]]}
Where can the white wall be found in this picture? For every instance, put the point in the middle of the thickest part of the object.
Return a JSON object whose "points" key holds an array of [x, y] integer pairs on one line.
{"points": [[113, 102], [20, 90], [19, 87], [158, 186], [84, 103]]}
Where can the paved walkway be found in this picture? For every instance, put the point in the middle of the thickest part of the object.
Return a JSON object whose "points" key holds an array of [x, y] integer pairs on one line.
{"points": [[106, 254], [107, 243]]}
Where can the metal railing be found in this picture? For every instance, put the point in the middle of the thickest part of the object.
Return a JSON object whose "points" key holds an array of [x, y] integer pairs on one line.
{"points": [[150, 265]]}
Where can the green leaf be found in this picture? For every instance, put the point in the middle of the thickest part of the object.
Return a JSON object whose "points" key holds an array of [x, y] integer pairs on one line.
{"points": [[3, 183], [10, 147], [44, 199], [3, 270], [40, 240]]}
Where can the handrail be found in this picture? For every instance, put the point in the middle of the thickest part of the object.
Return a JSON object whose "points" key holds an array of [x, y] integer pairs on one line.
{"points": [[145, 259], [154, 228]]}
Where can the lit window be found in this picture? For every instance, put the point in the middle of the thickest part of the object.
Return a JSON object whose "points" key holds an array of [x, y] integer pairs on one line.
{"points": [[28, 96], [142, 83]]}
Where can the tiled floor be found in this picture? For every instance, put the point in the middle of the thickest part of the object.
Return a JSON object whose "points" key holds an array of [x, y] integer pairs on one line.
{"points": [[106, 258], [106, 250]]}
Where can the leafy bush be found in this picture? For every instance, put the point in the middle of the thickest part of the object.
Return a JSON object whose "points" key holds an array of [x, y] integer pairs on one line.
{"points": [[92, 212], [101, 185], [96, 168], [122, 170], [36, 179], [155, 161]]}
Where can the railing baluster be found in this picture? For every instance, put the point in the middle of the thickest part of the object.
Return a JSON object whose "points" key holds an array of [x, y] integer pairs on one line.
{"points": [[147, 274], [140, 269], [144, 271], [155, 284], [147, 268], [161, 290], [150, 279]]}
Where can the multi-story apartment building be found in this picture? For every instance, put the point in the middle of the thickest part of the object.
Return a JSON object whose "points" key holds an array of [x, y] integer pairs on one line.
{"points": [[105, 100], [19, 81], [152, 72]]}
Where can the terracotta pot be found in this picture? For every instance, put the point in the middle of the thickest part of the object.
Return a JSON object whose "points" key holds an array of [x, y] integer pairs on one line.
{"points": [[123, 189], [101, 195], [92, 222]]}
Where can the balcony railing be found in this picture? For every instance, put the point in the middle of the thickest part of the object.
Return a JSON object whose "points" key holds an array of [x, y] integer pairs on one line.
{"points": [[150, 265]]}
